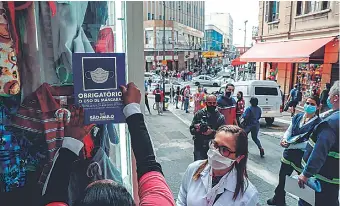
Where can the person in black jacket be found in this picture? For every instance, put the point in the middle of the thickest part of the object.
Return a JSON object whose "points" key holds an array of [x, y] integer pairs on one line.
{"points": [[152, 185], [204, 125], [324, 97]]}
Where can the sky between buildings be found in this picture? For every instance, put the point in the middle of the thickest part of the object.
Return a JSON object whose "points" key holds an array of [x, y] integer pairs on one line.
{"points": [[240, 11]]}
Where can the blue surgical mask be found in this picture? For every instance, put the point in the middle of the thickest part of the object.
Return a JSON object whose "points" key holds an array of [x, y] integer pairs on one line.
{"points": [[309, 109], [329, 103]]}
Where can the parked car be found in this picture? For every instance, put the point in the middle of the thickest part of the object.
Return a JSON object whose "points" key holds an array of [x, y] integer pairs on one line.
{"points": [[207, 80], [267, 92]]}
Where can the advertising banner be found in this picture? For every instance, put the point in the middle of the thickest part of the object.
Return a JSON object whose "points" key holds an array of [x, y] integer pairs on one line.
{"points": [[97, 78]]}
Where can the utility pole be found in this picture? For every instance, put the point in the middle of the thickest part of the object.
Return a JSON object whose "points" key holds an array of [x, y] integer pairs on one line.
{"points": [[244, 45], [164, 56]]}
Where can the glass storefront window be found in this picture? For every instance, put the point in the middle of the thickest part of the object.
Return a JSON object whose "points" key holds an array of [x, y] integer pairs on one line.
{"points": [[44, 35], [309, 78]]}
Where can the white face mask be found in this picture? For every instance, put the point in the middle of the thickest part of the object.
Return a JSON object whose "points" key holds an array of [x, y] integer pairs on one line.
{"points": [[217, 161], [100, 75]]}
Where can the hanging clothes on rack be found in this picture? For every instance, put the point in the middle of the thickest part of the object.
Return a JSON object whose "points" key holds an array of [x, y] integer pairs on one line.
{"points": [[57, 37]]}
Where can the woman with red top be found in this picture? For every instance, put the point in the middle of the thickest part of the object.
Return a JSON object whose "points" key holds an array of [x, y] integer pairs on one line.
{"points": [[153, 189], [239, 106], [199, 99]]}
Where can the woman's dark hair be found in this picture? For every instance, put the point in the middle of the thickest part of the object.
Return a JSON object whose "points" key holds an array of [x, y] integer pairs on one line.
{"points": [[178, 88], [254, 101], [241, 93], [315, 98], [240, 166], [105, 193]]}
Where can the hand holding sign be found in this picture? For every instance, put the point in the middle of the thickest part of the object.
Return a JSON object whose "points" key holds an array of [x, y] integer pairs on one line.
{"points": [[131, 94], [76, 128]]}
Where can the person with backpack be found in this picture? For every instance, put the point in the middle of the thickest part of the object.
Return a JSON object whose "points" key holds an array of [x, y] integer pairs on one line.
{"points": [[158, 99], [295, 96], [251, 122]]}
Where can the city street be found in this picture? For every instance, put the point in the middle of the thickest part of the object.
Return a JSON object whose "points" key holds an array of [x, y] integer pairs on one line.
{"points": [[174, 148]]}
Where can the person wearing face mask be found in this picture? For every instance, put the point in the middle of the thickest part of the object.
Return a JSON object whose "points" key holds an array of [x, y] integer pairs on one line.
{"points": [[239, 106], [294, 141], [252, 116], [321, 158], [227, 100], [221, 179], [204, 125]]}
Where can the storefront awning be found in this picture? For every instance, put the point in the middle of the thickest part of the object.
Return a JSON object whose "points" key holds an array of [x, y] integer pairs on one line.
{"points": [[286, 51], [237, 62]]}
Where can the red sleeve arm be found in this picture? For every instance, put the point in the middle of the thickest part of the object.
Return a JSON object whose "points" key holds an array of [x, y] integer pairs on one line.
{"points": [[153, 190]]}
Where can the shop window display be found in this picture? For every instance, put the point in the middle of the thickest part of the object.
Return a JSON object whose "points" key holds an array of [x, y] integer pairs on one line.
{"points": [[37, 40], [309, 78]]}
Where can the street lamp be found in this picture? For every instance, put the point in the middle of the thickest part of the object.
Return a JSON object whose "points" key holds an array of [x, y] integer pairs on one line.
{"points": [[163, 73], [245, 35]]}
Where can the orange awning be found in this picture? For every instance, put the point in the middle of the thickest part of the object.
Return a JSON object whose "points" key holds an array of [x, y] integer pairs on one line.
{"points": [[285, 51], [237, 62]]}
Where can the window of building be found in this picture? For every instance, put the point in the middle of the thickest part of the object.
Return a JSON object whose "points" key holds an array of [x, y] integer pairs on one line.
{"points": [[314, 6], [149, 16], [160, 17], [153, 16], [298, 8], [272, 11]]}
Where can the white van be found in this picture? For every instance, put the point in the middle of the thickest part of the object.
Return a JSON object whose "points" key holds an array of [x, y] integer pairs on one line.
{"points": [[267, 92]]}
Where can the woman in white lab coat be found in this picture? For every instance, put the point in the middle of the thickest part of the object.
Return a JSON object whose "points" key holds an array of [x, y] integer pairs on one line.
{"points": [[222, 179]]}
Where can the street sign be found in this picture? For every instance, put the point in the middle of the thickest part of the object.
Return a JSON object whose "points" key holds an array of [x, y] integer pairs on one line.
{"points": [[164, 62]]}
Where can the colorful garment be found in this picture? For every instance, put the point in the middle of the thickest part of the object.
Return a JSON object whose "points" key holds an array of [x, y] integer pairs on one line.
{"points": [[9, 73], [37, 115], [12, 167], [199, 100]]}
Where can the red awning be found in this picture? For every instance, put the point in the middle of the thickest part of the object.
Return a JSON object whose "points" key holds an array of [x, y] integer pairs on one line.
{"points": [[285, 51], [237, 62]]}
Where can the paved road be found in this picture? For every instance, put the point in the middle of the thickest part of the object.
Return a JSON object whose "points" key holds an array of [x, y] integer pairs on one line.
{"points": [[174, 146]]}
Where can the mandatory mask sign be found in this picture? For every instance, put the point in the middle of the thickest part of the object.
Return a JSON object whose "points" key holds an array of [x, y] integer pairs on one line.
{"points": [[97, 78]]}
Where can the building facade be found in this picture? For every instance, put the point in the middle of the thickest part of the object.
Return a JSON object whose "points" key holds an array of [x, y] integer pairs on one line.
{"points": [[223, 21], [213, 38], [297, 43], [184, 32], [241, 49]]}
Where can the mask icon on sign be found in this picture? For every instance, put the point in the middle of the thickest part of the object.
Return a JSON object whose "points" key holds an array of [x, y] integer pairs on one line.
{"points": [[99, 75]]}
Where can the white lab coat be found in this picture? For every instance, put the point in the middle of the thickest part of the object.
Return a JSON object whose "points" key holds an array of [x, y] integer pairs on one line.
{"points": [[194, 192]]}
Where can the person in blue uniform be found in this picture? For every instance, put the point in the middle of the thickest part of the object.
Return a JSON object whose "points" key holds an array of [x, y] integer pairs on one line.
{"points": [[321, 158], [295, 141]]}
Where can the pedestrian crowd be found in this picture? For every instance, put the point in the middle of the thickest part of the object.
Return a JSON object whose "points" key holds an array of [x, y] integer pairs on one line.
{"points": [[218, 175], [311, 149]]}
